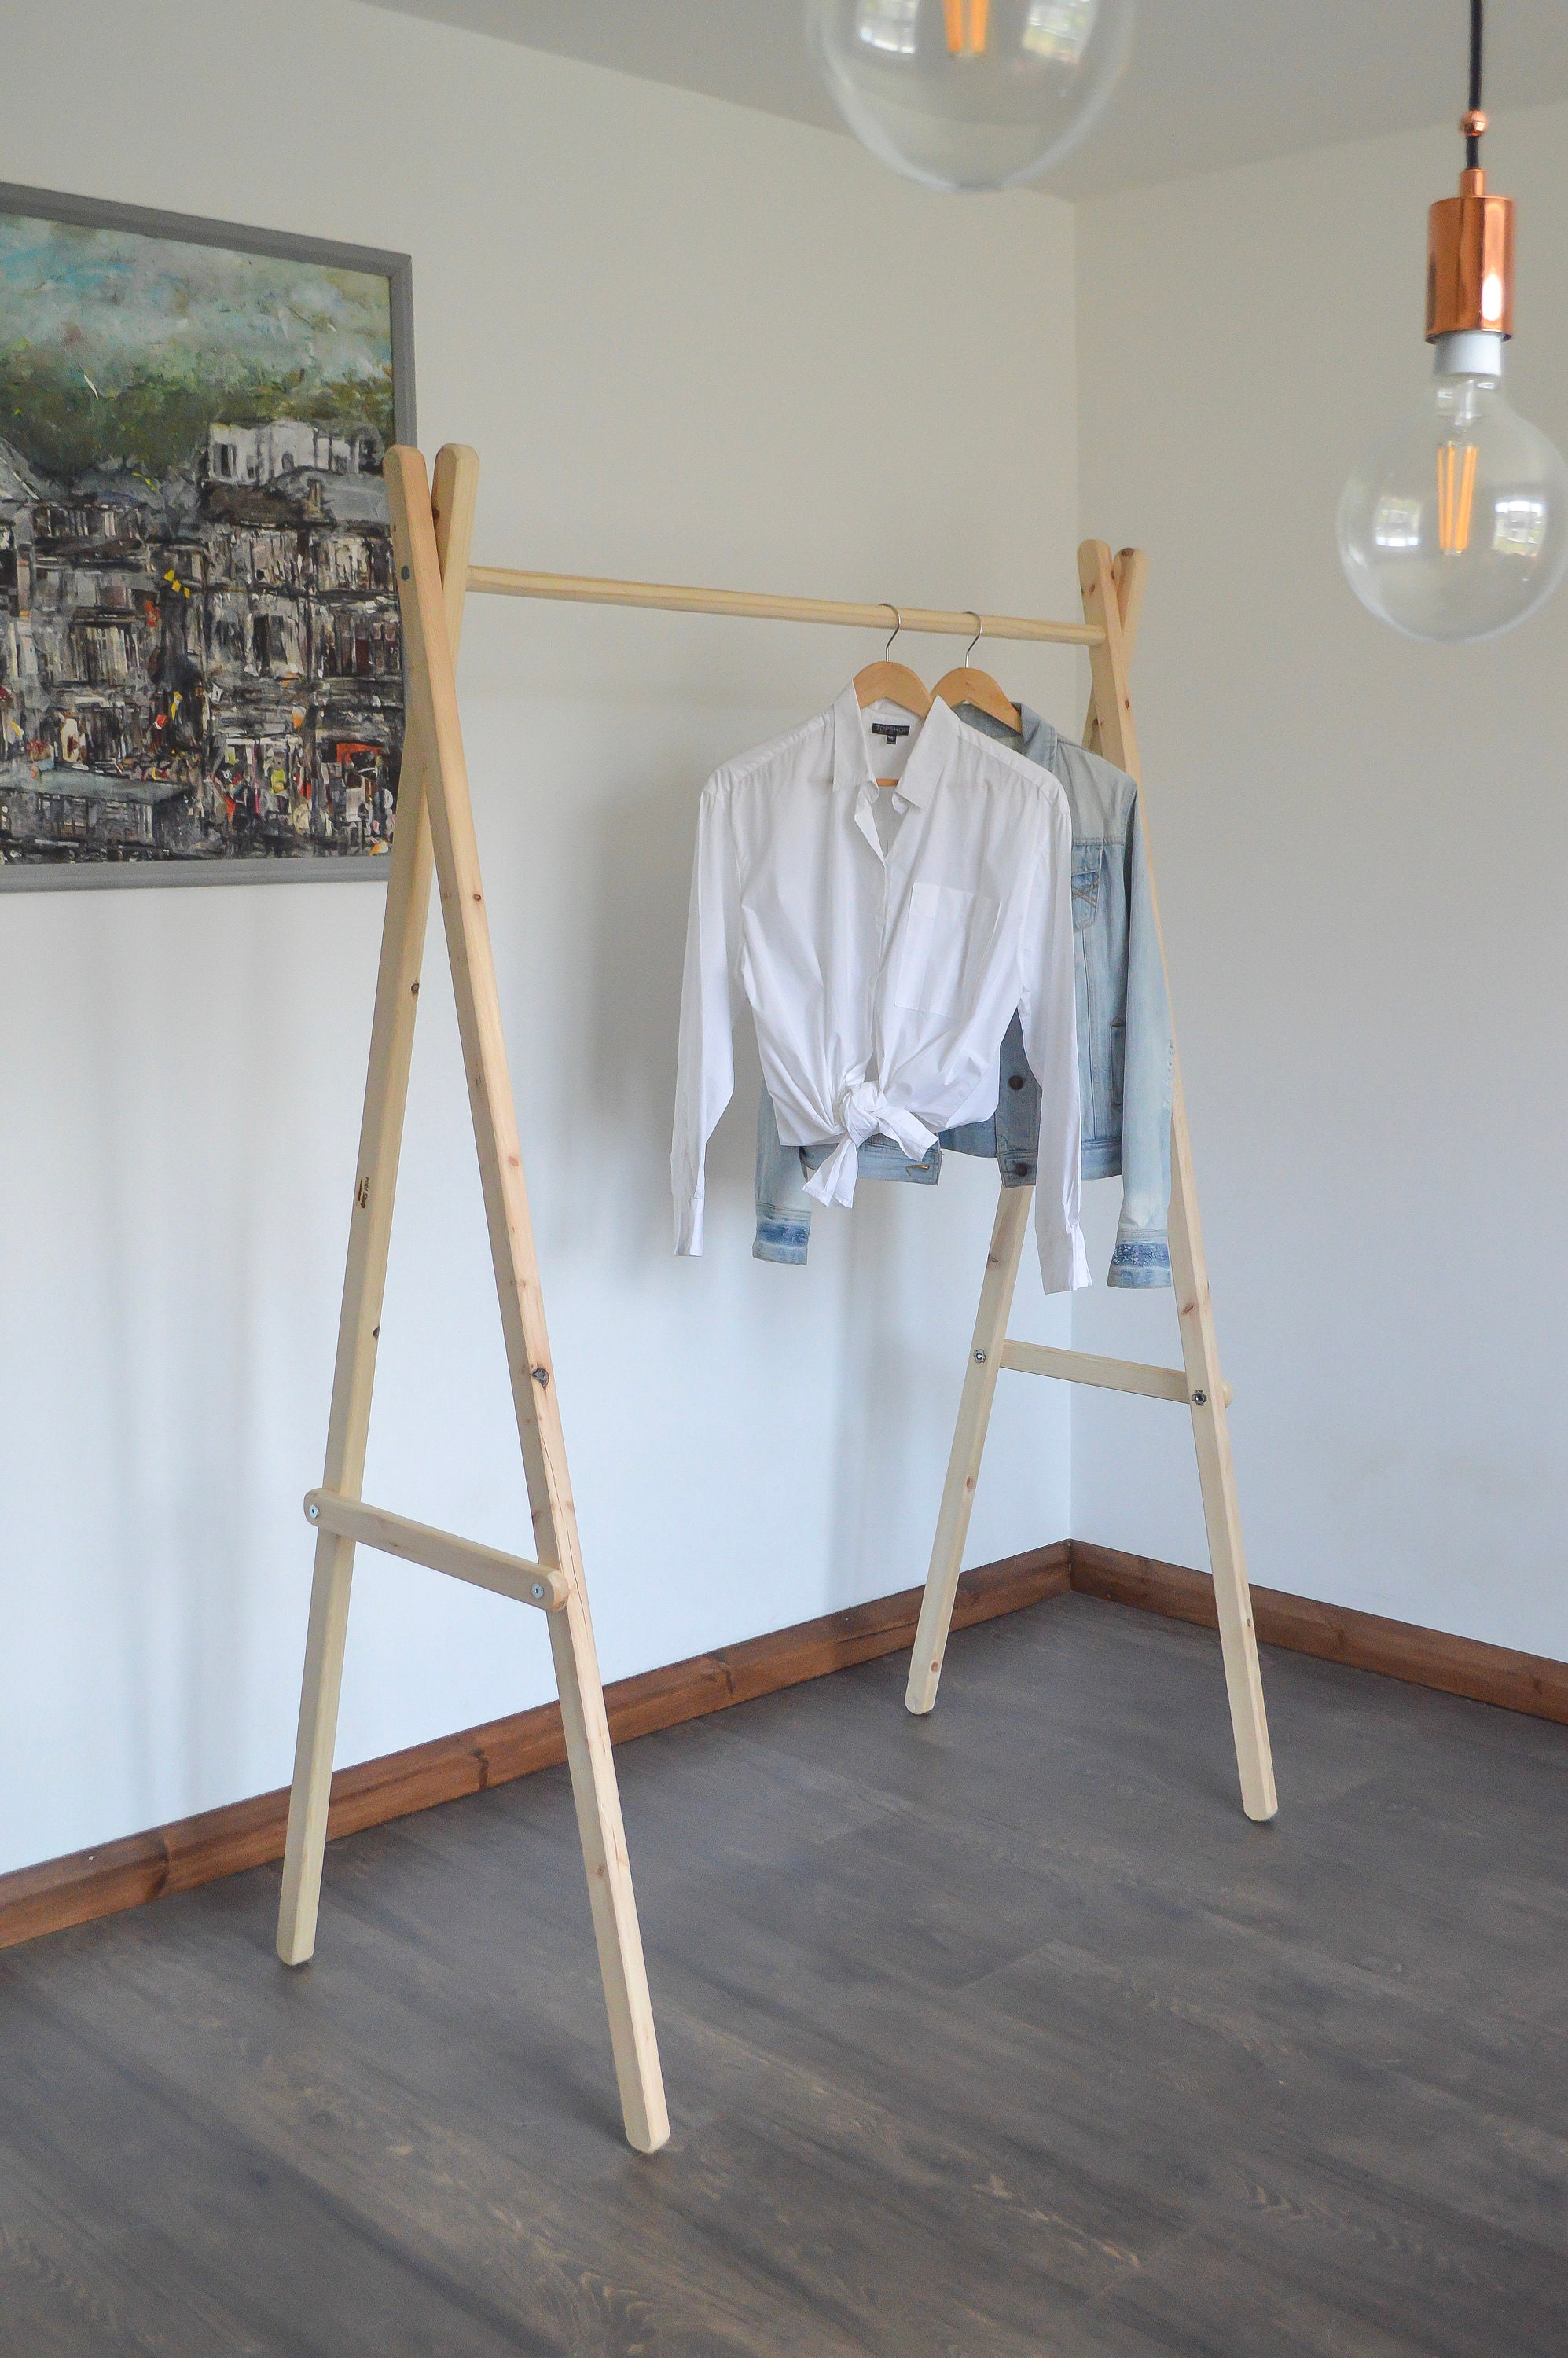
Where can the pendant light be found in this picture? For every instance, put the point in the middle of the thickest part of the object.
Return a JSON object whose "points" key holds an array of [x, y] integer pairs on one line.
{"points": [[969, 93], [1456, 526]]}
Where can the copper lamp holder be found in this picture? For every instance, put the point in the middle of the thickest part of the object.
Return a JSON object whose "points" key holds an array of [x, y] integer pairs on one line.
{"points": [[1470, 255]]}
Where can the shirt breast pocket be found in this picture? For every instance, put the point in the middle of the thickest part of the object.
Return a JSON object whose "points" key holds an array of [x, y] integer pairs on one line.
{"points": [[946, 932]]}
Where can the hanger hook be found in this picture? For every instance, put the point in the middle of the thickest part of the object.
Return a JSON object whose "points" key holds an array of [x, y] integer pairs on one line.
{"points": [[979, 632], [897, 626]]}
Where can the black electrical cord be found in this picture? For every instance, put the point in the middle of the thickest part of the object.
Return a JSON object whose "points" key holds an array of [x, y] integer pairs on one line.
{"points": [[1473, 138]]}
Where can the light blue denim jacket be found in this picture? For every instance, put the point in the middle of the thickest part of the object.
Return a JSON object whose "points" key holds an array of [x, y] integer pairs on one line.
{"points": [[1124, 1039]]}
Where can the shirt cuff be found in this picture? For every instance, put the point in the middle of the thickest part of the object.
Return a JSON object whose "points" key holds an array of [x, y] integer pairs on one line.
{"points": [[1063, 1260], [688, 1225]]}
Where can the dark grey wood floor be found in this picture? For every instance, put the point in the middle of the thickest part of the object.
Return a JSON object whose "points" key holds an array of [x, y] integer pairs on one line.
{"points": [[999, 2033]]}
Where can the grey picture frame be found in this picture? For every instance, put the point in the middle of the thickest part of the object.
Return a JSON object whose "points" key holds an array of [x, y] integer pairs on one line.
{"points": [[94, 213]]}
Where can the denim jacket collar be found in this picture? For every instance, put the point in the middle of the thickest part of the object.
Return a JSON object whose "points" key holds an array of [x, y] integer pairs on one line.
{"points": [[1037, 739]]}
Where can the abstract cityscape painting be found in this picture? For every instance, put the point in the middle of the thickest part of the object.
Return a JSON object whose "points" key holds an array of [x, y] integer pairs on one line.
{"points": [[201, 660]]}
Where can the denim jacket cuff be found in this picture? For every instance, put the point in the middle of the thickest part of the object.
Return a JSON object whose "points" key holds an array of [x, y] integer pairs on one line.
{"points": [[781, 1237], [1143, 1259]]}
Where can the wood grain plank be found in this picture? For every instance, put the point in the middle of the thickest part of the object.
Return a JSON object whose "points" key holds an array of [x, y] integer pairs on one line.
{"points": [[1000, 2033], [191, 1851], [86, 1883]]}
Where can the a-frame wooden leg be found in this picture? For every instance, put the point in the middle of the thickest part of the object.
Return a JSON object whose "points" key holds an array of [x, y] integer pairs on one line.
{"points": [[990, 1327], [1217, 1480], [527, 1346], [1112, 596], [1129, 573], [1189, 1271], [370, 1229], [969, 1445]]}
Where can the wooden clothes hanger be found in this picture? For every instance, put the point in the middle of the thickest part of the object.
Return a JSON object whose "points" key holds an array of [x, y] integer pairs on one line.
{"points": [[963, 685], [892, 683]]}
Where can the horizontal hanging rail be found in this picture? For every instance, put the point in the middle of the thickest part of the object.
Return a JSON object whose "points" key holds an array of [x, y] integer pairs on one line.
{"points": [[574, 588]]}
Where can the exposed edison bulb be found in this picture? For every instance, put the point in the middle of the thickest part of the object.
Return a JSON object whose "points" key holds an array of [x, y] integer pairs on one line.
{"points": [[969, 93], [1456, 526]]}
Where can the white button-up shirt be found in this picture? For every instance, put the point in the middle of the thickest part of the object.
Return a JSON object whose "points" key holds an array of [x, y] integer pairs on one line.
{"points": [[883, 961]]}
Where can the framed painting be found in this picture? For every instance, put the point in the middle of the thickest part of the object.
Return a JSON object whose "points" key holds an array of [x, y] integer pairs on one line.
{"points": [[200, 658]]}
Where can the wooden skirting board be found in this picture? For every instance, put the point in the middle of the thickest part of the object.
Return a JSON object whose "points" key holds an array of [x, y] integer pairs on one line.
{"points": [[116, 1875], [1337, 1633]]}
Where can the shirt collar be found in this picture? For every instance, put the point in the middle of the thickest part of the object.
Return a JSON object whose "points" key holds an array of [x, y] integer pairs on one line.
{"points": [[932, 749], [1035, 739], [852, 761]]}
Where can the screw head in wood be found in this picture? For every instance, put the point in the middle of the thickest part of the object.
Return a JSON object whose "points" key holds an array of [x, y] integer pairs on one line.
{"points": [[1200, 1399], [314, 1513], [404, 575], [538, 1588], [980, 1358]]}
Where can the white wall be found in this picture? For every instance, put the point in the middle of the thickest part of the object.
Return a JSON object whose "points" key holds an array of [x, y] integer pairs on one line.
{"points": [[689, 343], [1362, 848]]}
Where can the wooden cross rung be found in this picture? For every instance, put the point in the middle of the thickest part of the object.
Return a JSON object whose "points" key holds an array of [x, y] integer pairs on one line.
{"points": [[1111, 1375], [507, 1576]]}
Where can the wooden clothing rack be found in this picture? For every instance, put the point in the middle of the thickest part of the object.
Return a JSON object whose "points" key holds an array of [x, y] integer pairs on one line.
{"points": [[432, 537]]}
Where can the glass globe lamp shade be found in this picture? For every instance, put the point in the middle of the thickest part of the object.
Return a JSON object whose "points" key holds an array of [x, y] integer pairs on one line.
{"points": [[969, 94], [1456, 526]]}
